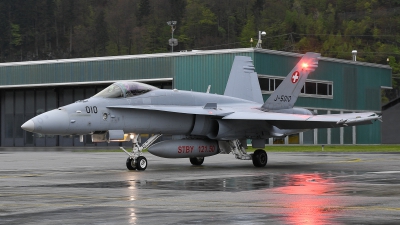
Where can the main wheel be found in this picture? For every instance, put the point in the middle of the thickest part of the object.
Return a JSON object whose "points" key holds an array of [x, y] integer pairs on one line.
{"points": [[197, 161], [130, 164], [260, 158], [141, 163]]}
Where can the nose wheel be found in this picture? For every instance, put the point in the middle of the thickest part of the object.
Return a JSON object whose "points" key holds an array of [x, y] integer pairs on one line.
{"points": [[136, 161], [139, 164], [130, 164]]}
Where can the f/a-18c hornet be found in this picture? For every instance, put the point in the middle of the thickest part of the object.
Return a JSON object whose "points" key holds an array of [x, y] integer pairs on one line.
{"points": [[201, 124]]}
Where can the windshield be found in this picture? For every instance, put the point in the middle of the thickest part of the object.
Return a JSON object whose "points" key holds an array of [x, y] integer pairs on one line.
{"points": [[135, 88], [112, 91], [125, 89]]}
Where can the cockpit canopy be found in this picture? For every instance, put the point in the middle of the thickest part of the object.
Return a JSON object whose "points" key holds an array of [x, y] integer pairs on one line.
{"points": [[125, 90]]}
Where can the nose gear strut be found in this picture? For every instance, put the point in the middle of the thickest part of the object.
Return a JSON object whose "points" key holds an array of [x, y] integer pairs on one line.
{"points": [[136, 160]]}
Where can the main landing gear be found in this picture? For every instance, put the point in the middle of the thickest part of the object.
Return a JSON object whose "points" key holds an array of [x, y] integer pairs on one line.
{"points": [[197, 161], [259, 157], [136, 160]]}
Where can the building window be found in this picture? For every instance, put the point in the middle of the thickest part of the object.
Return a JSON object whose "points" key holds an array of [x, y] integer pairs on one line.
{"points": [[312, 88], [278, 141], [294, 139]]}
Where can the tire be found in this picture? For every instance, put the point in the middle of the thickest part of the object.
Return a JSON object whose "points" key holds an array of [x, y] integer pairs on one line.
{"points": [[197, 161], [260, 158], [141, 163], [129, 164]]}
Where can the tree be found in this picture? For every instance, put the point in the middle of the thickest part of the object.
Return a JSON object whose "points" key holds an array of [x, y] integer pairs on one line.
{"points": [[121, 22], [5, 29], [257, 9], [101, 35], [248, 32], [143, 11]]}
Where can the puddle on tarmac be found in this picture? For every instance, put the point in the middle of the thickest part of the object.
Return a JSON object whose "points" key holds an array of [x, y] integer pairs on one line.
{"points": [[347, 183], [229, 184], [217, 184]]}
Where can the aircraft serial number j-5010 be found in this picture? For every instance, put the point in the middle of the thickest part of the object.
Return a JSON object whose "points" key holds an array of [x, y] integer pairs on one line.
{"points": [[202, 124]]}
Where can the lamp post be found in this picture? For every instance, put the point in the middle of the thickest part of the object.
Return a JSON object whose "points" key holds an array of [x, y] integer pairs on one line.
{"points": [[260, 33], [172, 42], [354, 53]]}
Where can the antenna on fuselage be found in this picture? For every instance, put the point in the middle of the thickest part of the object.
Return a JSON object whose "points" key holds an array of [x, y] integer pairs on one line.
{"points": [[208, 89]]}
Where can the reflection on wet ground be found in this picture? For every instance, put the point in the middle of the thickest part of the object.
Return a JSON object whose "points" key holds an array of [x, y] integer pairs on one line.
{"points": [[307, 183], [229, 184], [293, 189]]}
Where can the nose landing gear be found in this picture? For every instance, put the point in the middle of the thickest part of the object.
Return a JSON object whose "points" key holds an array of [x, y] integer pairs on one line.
{"points": [[130, 164], [141, 163], [136, 160]]}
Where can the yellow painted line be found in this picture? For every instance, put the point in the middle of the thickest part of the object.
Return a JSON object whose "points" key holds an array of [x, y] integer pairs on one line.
{"points": [[4, 177], [354, 160]]}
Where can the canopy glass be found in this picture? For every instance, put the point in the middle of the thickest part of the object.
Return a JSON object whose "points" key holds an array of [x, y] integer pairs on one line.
{"points": [[125, 90]]}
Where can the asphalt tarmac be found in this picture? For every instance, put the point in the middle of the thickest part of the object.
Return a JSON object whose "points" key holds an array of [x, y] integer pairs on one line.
{"points": [[294, 188]]}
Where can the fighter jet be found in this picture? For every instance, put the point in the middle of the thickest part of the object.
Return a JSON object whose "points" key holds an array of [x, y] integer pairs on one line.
{"points": [[201, 124]]}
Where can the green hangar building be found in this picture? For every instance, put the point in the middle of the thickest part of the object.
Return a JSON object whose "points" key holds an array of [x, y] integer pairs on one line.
{"points": [[337, 86]]}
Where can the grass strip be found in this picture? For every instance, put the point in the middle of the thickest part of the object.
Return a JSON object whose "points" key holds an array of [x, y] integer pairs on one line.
{"points": [[331, 148]]}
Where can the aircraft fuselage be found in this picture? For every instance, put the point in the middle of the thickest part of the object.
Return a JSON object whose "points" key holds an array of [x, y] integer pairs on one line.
{"points": [[94, 114]]}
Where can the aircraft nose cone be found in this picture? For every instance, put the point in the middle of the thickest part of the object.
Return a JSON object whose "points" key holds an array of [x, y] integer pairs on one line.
{"points": [[51, 122], [28, 126]]}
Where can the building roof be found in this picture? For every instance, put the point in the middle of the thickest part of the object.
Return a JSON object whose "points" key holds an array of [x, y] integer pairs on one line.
{"points": [[391, 104], [194, 52]]}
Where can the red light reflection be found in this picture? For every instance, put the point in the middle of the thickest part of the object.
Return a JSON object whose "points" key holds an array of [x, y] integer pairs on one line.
{"points": [[308, 201]]}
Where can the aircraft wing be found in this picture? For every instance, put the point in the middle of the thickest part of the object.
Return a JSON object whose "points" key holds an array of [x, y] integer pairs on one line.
{"points": [[298, 121], [196, 110], [270, 116], [280, 120]]}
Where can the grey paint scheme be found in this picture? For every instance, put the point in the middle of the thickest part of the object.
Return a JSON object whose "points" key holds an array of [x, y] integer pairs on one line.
{"points": [[184, 148], [289, 89], [243, 81], [178, 112]]}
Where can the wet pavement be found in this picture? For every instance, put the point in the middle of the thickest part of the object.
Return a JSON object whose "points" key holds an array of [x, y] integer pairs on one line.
{"points": [[294, 188]]}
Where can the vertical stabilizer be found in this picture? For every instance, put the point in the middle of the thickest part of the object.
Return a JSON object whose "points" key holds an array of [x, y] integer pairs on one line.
{"points": [[243, 81], [288, 91]]}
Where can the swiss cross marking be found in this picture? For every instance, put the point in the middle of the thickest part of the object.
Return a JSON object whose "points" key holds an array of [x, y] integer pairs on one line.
{"points": [[295, 77]]}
